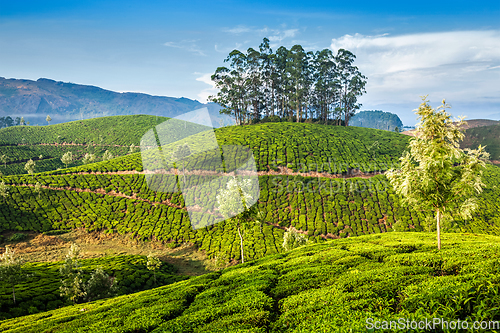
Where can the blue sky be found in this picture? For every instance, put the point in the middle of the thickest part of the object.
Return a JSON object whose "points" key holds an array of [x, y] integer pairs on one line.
{"points": [[444, 49]]}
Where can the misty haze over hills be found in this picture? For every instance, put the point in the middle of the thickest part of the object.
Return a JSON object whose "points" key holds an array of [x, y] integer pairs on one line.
{"points": [[64, 102], [34, 100]]}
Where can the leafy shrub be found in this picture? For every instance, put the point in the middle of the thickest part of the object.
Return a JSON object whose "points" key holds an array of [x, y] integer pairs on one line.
{"points": [[293, 239], [18, 237], [100, 285]]}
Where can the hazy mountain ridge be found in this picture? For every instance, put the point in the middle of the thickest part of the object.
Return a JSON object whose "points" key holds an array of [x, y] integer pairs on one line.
{"points": [[377, 119], [69, 101]]}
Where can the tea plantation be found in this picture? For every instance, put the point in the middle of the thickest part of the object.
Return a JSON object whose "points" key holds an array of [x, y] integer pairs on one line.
{"points": [[340, 285], [321, 207], [301, 147], [95, 136], [40, 289]]}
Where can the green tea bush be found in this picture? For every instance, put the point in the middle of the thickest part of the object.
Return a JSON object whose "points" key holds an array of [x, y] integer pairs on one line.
{"points": [[40, 290], [332, 286], [17, 237]]}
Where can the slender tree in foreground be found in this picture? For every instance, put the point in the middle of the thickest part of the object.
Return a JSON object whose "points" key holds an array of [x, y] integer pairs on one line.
{"points": [[436, 175], [153, 264], [48, 119], [11, 269], [71, 283], [232, 200]]}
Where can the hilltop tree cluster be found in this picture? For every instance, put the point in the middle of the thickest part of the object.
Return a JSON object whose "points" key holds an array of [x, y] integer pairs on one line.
{"points": [[377, 119], [289, 85], [9, 121]]}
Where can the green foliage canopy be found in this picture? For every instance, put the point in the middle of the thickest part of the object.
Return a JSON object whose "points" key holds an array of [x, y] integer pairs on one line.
{"points": [[10, 269], [436, 175]]}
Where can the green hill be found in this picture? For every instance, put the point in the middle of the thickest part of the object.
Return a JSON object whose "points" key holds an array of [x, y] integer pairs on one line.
{"points": [[304, 147], [275, 144], [488, 136], [376, 119], [113, 195], [115, 134], [320, 207], [336, 286], [40, 290]]}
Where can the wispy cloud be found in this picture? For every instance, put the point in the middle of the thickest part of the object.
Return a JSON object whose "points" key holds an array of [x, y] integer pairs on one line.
{"points": [[206, 78], [274, 35], [237, 30], [279, 35], [188, 45], [457, 65], [227, 49]]}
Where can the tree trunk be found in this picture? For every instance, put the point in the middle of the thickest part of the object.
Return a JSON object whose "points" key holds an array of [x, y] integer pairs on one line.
{"points": [[241, 246], [14, 294], [298, 112], [438, 226]]}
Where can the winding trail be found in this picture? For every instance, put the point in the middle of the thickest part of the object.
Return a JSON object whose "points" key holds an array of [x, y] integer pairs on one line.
{"points": [[280, 172], [103, 192]]}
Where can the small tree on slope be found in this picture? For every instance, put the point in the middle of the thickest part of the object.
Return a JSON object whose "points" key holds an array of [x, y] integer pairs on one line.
{"points": [[100, 285], [436, 175], [67, 158], [10, 269], [71, 283], [4, 190], [235, 198], [153, 264], [30, 167]]}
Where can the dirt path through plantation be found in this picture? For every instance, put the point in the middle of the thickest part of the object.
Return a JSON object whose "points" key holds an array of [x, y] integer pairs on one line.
{"points": [[280, 172], [103, 192], [44, 248]]}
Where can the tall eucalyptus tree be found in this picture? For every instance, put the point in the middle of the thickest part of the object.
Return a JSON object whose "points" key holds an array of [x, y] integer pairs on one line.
{"points": [[352, 83], [292, 84]]}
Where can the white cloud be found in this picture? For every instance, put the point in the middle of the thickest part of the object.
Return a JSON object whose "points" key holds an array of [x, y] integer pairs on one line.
{"points": [[228, 49], [188, 45], [279, 35], [237, 30], [206, 78], [457, 65], [275, 36]]}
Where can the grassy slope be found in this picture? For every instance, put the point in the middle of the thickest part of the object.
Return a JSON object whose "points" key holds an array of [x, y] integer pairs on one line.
{"points": [[116, 134], [319, 207], [329, 287], [40, 290], [488, 136], [273, 144]]}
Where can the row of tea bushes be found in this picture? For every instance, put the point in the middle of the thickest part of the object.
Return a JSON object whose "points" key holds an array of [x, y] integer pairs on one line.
{"points": [[300, 147], [335, 286], [320, 207], [114, 130], [40, 290]]}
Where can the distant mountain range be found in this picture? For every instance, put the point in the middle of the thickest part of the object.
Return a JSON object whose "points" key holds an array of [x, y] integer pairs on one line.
{"points": [[63, 101]]}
